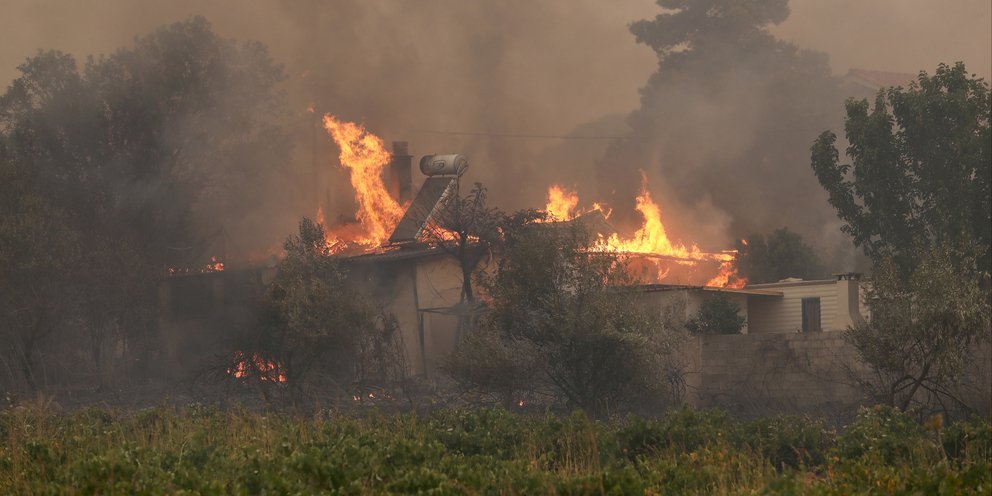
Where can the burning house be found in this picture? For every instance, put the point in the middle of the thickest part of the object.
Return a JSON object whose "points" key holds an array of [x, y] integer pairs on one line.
{"points": [[392, 252]]}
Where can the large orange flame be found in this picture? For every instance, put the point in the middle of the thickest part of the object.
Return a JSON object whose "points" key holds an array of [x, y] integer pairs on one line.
{"points": [[651, 241], [365, 155], [561, 203]]}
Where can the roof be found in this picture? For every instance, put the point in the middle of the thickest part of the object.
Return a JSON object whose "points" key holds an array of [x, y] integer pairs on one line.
{"points": [[783, 284], [429, 201], [652, 288], [394, 254]]}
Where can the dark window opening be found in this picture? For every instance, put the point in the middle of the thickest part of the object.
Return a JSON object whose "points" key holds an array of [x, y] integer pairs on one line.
{"points": [[811, 315]]}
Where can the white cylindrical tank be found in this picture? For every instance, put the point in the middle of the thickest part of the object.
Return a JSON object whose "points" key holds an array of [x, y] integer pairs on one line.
{"points": [[451, 164]]}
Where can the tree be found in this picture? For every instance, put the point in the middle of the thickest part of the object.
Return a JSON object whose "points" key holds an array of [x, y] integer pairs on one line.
{"points": [[563, 323], [466, 229], [920, 171], [916, 198], [143, 154], [781, 255], [726, 115], [718, 314], [38, 257], [316, 329], [158, 143], [922, 331]]}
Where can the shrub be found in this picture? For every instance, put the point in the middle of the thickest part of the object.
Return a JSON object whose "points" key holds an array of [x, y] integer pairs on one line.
{"points": [[886, 434]]}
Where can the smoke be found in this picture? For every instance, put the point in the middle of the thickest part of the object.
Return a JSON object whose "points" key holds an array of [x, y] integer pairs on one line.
{"points": [[542, 67]]}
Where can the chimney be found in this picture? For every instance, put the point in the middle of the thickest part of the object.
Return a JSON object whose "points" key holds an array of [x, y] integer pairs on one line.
{"points": [[399, 181], [848, 302]]}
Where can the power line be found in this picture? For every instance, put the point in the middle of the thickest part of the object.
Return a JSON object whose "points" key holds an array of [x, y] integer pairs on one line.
{"points": [[508, 135]]}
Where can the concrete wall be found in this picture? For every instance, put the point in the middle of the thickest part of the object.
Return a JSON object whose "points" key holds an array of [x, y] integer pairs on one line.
{"points": [[778, 373], [762, 374], [416, 291]]}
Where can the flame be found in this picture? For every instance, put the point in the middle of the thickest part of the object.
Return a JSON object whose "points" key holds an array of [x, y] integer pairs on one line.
{"points": [[561, 203], [651, 241], [727, 277], [364, 155], [215, 265], [267, 371]]}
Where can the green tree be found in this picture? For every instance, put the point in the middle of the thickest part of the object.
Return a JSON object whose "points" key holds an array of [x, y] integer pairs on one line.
{"points": [[563, 322], [315, 326], [916, 197], [781, 255], [920, 171], [922, 331], [159, 142], [718, 314], [144, 153], [38, 259]]}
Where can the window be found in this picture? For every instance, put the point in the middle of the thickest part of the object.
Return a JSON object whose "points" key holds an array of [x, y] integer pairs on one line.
{"points": [[811, 315]]}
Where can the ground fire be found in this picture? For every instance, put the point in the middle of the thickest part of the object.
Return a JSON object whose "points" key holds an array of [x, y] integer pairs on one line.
{"points": [[247, 366]]}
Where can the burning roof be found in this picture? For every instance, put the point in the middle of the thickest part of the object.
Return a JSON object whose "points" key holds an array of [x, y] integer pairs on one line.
{"points": [[384, 222]]}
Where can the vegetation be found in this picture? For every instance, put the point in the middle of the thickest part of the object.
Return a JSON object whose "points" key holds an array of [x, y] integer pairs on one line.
{"points": [[718, 314], [780, 255], [475, 229], [316, 331], [918, 199], [921, 170], [202, 450], [747, 104], [110, 175], [923, 332], [561, 324]]}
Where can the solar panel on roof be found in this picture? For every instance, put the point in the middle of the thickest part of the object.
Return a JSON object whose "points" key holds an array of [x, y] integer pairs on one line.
{"points": [[429, 199]]}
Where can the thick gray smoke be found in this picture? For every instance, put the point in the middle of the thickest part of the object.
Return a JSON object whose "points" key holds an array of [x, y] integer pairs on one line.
{"points": [[545, 67]]}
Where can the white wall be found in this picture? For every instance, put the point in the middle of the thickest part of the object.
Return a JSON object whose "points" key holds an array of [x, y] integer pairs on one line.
{"points": [[785, 314]]}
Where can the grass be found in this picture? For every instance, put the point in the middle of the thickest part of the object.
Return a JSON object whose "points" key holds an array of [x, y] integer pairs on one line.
{"points": [[198, 450]]}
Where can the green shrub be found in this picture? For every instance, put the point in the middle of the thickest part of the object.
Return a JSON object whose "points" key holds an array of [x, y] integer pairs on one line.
{"points": [[788, 441], [684, 429], [887, 434], [208, 451], [969, 440]]}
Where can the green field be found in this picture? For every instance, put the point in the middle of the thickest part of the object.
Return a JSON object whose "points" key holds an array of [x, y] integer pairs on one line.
{"points": [[198, 450]]}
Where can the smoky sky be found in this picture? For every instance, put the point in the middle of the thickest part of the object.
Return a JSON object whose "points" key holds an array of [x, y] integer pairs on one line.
{"points": [[544, 67]]}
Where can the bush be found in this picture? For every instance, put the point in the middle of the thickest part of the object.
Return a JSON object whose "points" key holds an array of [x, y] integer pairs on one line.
{"points": [[886, 434], [204, 450], [717, 315]]}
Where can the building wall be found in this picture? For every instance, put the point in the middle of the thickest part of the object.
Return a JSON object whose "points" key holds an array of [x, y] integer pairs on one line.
{"points": [[819, 373], [783, 315], [417, 291], [439, 285], [761, 374], [688, 301]]}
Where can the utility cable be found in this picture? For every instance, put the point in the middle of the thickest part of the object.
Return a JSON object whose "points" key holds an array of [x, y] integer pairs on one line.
{"points": [[510, 135]]}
